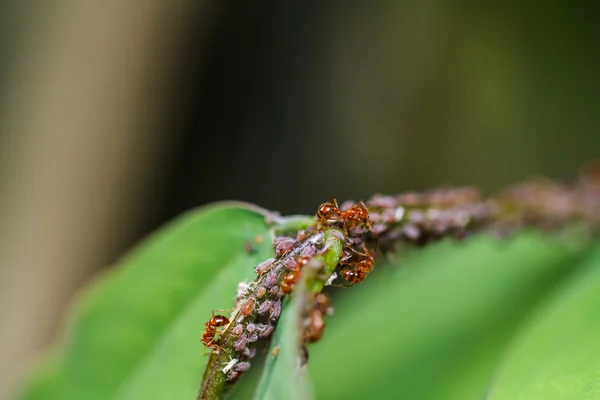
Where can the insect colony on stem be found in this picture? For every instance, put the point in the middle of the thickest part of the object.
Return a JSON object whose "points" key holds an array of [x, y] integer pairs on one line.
{"points": [[414, 218], [258, 304]]}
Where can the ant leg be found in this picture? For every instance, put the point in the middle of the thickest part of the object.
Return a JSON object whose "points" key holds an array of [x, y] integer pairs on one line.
{"points": [[213, 346], [359, 253], [208, 345], [225, 311]]}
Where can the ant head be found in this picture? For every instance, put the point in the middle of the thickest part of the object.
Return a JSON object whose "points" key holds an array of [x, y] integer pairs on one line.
{"points": [[328, 210]]}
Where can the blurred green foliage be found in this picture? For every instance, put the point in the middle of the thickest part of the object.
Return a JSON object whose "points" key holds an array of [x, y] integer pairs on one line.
{"points": [[449, 321], [135, 334]]}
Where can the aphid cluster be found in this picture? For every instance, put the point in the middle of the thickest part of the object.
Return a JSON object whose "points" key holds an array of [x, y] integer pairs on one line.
{"points": [[381, 223], [258, 304]]}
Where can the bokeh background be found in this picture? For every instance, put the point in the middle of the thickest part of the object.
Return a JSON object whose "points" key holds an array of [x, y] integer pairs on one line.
{"points": [[116, 116]]}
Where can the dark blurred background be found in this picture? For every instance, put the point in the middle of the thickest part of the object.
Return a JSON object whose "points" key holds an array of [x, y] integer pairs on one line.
{"points": [[117, 116]]}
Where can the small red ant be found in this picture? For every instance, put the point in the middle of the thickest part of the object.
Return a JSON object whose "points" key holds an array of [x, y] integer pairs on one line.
{"points": [[316, 326], [210, 330], [289, 281], [352, 217], [315, 323], [359, 269]]}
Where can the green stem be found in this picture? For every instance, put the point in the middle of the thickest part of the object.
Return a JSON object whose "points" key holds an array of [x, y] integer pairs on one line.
{"points": [[334, 243]]}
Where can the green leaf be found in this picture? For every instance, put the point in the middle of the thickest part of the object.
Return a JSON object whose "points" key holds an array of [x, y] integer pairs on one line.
{"points": [[135, 334], [557, 353], [434, 323], [282, 378]]}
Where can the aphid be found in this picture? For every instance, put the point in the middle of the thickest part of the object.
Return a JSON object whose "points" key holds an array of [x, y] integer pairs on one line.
{"points": [[250, 328], [237, 330], [291, 263], [253, 338], [274, 290], [210, 330], [251, 353], [265, 307], [338, 235], [240, 343], [301, 235], [264, 330], [246, 352], [261, 291], [232, 375], [275, 311], [283, 246], [242, 366], [318, 238], [248, 307], [265, 266], [309, 251], [270, 279], [382, 201]]}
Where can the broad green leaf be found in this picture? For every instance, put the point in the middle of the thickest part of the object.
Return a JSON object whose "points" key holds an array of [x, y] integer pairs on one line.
{"points": [[557, 353], [433, 324], [135, 334]]}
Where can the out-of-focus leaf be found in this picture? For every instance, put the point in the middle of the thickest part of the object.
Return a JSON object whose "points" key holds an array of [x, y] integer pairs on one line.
{"points": [[135, 333], [433, 324], [282, 376], [557, 353]]}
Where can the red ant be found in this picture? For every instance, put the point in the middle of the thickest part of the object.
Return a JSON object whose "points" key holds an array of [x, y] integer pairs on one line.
{"points": [[316, 326], [315, 323], [289, 281], [352, 217], [208, 336], [358, 270]]}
